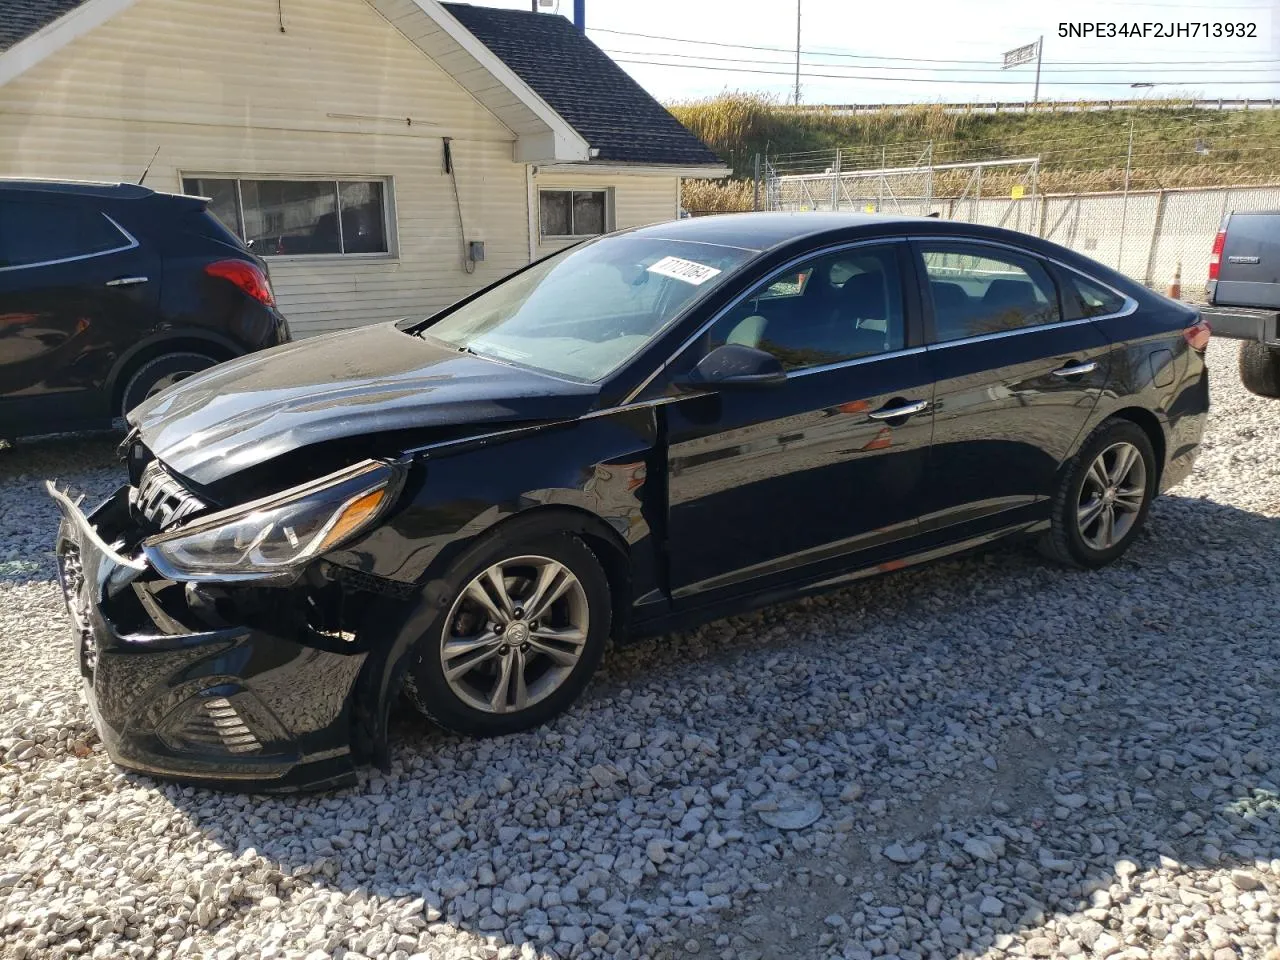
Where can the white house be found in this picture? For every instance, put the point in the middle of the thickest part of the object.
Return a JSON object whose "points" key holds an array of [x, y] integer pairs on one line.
{"points": [[387, 156]]}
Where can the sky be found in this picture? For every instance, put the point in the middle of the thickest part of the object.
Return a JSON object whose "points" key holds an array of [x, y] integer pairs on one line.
{"points": [[856, 51]]}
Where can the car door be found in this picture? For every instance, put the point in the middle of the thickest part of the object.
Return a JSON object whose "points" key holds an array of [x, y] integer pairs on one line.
{"points": [[1015, 382], [75, 290], [783, 483]]}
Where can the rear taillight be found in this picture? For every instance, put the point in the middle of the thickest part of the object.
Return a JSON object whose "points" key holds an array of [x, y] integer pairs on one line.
{"points": [[1197, 335], [245, 275], [1215, 259]]}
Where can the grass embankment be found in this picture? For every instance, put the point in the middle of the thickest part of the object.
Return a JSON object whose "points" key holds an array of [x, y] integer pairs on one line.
{"points": [[1174, 144]]}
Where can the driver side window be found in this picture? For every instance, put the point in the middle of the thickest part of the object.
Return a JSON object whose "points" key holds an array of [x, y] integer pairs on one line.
{"points": [[832, 308]]}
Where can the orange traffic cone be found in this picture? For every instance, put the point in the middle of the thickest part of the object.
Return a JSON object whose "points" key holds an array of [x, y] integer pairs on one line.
{"points": [[1175, 288]]}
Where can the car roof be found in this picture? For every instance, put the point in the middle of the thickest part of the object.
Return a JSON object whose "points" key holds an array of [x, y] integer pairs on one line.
{"points": [[765, 231], [79, 188]]}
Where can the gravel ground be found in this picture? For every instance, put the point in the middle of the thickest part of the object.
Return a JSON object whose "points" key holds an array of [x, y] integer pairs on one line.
{"points": [[999, 758]]}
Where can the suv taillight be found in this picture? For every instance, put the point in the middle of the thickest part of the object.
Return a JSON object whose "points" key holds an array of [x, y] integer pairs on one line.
{"points": [[1215, 259], [1197, 334], [245, 275]]}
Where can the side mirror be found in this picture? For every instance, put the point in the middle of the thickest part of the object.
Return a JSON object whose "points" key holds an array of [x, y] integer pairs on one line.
{"points": [[734, 365]]}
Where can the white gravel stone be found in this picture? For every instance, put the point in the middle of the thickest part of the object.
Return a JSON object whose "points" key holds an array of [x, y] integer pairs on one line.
{"points": [[1053, 763]]}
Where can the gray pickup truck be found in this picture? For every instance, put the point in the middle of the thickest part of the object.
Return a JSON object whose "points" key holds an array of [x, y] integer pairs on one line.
{"points": [[1243, 295]]}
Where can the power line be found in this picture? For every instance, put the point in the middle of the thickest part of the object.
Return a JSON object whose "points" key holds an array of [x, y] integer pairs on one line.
{"points": [[834, 66], [866, 56], [850, 76]]}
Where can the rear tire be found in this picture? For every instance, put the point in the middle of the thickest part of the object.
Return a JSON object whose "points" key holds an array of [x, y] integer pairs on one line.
{"points": [[160, 373], [1111, 480], [1260, 369], [507, 647]]}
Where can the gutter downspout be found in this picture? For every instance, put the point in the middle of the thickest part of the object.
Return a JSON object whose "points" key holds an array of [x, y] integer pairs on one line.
{"points": [[531, 199]]}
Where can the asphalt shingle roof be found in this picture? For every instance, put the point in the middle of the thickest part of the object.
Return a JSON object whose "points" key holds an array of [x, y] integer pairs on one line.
{"points": [[593, 94], [582, 84], [21, 18]]}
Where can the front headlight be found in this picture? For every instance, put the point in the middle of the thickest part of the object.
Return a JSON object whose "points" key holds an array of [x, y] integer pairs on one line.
{"points": [[278, 533]]}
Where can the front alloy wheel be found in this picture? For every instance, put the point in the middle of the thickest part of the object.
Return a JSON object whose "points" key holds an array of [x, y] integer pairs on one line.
{"points": [[514, 635], [523, 625]]}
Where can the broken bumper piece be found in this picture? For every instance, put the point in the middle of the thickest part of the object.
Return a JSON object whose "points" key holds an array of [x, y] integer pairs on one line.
{"points": [[231, 706]]}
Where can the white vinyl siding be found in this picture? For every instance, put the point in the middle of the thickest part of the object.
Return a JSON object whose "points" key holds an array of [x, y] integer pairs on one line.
{"points": [[635, 199], [218, 88]]}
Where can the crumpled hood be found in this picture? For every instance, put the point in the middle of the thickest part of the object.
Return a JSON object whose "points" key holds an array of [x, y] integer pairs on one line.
{"points": [[363, 381]]}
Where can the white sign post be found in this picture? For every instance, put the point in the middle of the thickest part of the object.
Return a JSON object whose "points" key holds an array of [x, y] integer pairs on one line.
{"points": [[1026, 54]]}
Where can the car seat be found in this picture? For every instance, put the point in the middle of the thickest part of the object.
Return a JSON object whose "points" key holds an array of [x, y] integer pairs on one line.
{"points": [[952, 309]]}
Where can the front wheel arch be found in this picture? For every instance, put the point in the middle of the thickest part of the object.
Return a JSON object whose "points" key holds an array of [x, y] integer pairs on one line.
{"points": [[381, 678], [185, 341]]}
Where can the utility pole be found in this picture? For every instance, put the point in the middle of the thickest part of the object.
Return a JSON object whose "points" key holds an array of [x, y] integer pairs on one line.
{"points": [[797, 101], [1039, 58]]}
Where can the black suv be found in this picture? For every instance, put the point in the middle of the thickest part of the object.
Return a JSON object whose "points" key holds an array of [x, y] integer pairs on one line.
{"points": [[111, 292]]}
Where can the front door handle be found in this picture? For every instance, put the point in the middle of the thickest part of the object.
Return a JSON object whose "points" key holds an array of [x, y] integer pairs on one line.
{"points": [[902, 410], [1076, 369], [127, 281]]}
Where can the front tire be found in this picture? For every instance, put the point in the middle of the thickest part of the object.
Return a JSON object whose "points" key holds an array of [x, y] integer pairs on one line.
{"points": [[160, 373], [521, 632], [1103, 497], [1260, 369]]}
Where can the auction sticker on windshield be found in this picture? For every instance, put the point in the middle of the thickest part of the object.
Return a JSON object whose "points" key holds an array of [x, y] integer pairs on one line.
{"points": [[686, 270]]}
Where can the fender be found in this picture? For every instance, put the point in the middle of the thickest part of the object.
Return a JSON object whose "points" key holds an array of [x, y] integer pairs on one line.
{"points": [[187, 336], [397, 624], [594, 481]]}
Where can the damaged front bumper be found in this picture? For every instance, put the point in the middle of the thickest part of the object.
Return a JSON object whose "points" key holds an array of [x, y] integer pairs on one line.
{"points": [[177, 688]]}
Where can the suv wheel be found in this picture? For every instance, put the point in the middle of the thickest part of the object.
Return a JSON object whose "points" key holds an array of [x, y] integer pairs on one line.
{"points": [[1102, 499], [160, 373], [1260, 369], [520, 632]]}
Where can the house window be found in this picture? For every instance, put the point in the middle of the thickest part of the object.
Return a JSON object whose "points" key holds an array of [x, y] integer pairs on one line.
{"points": [[573, 213], [300, 217]]}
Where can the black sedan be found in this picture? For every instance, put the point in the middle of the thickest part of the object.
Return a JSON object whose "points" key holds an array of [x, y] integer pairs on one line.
{"points": [[648, 430]]}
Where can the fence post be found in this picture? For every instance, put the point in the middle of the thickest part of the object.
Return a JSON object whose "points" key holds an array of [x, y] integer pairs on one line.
{"points": [[1149, 279], [1044, 215], [755, 193], [835, 184], [880, 179]]}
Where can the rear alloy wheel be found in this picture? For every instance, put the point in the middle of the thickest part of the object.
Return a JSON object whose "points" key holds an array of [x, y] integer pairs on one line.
{"points": [[519, 641], [1103, 497], [1113, 494], [1260, 369], [161, 373]]}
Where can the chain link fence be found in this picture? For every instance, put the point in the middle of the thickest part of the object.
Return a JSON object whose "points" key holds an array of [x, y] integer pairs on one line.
{"points": [[1157, 237]]}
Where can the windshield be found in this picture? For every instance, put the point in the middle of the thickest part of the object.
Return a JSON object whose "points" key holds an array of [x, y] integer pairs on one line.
{"points": [[585, 312]]}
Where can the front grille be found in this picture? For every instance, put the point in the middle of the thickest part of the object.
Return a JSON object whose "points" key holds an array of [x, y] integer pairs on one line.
{"points": [[161, 500]]}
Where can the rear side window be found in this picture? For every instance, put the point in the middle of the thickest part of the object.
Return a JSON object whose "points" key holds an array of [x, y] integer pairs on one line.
{"points": [[976, 291], [34, 233], [1083, 298]]}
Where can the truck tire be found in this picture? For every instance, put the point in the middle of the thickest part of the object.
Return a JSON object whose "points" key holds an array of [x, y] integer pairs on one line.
{"points": [[1260, 369]]}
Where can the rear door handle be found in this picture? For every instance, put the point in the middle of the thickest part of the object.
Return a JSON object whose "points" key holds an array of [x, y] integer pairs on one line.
{"points": [[127, 281], [1076, 369], [902, 410]]}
